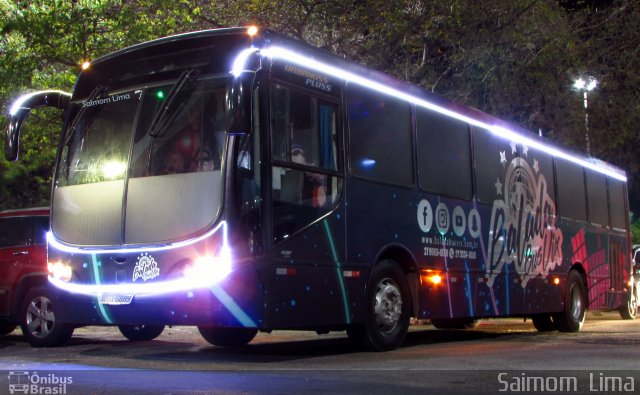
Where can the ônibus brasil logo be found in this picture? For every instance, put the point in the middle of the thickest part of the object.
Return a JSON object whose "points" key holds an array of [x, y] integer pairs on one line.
{"points": [[33, 383]]}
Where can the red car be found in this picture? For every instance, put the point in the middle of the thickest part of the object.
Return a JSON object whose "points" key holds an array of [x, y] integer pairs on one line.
{"points": [[25, 298]]}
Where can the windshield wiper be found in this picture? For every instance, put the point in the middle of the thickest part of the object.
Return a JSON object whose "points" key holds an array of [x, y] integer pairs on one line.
{"points": [[93, 95], [162, 116]]}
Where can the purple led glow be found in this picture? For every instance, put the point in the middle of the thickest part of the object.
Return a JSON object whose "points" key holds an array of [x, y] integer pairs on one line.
{"points": [[205, 272], [53, 242], [217, 272], [240, 63]]}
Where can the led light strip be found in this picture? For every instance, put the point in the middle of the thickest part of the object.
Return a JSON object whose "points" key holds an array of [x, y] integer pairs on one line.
{"points": [[53, 242], [240, 63], [161, 287], [310, 63]]}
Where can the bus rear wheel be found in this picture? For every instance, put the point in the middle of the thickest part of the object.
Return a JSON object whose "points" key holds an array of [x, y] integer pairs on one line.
{"points": [[141, 332], [544, 323], [388, 310], [630, 309], [228, 337], [575, 304]]}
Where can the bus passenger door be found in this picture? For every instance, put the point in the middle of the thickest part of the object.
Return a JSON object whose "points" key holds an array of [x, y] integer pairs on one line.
{"points": [[307, 220]]}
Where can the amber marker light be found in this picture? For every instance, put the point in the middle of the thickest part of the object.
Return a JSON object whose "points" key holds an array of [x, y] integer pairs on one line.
{"points": [[431, 277], [252, 30], [86, 65]]}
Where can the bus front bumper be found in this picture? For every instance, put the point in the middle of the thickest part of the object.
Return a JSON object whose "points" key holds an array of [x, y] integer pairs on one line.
{"points": [[235, 302]]}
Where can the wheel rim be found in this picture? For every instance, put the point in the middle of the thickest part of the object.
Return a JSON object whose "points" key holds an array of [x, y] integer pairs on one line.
{"points": [[40, 317], [633, 304], [388, 305], [576, 304]]}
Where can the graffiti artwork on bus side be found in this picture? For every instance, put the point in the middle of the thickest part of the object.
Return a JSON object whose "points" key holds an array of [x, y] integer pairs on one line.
{"points": [[523, 232]]}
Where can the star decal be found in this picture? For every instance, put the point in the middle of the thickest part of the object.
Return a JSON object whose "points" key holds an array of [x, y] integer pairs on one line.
{"points": [[525, 150], [535, 166], [498, 185], [514, 148], [503, 157]]}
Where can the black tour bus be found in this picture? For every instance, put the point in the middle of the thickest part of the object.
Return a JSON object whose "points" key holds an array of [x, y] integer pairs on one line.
{"points": [[241, 181]]}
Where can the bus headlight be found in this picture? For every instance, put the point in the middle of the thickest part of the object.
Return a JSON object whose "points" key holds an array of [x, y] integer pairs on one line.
{"points": [[208, 269], [60, 271]]}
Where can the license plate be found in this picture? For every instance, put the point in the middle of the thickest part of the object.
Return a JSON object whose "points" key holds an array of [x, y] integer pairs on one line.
{"points": [[114, 299]]}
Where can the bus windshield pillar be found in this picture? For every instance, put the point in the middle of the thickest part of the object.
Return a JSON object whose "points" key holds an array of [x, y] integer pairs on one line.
{"points": [[239, 103]]}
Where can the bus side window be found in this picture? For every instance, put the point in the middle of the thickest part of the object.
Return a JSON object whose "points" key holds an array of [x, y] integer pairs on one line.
{"points": [[492, 157], [443, 150], [617, 206], [572, 201], [597, 198], [380, 140]]}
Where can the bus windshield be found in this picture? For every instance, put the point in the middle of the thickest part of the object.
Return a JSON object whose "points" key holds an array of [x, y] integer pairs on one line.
{"points": [[142, 146]]}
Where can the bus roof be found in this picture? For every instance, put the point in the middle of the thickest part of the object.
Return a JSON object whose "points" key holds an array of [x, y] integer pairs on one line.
{"points": [[275, 45]]}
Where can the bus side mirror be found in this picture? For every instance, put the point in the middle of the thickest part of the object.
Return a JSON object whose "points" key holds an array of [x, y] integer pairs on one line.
{"points": [[21, 109], [238, 103]]}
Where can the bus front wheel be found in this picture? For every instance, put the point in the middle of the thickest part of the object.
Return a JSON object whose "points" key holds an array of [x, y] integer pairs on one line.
{"points": [[455, 323], [575, 304], [141, 332], [388, 310], [228, 337]]}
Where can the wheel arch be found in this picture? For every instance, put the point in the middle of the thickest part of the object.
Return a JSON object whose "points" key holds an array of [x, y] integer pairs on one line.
{"points": [[407, 262], [578, 267]]}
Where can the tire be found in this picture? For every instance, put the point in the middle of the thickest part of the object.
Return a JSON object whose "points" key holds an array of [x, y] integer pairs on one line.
{"points": [[630, 309], [455, 323], [228, 337], [5, 329], [141, 332], [38, 320], [544, 323], [388, 310], [575, 304]]}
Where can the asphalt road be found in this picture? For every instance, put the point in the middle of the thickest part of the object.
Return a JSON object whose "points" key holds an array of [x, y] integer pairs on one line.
{"points": [[500, 356]]}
